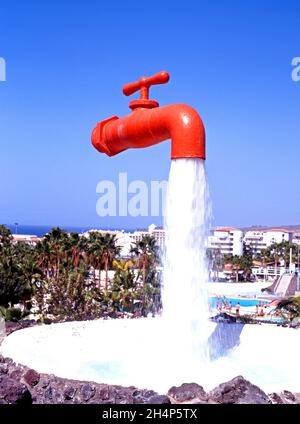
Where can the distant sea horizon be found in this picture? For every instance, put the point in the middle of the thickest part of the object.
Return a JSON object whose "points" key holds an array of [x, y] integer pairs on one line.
{"points": [[41, 230]]}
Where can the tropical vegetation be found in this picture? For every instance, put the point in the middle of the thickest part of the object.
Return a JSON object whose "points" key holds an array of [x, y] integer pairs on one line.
{"points": [[278, 254], [241, 266], [61, 277], [289, 308]]}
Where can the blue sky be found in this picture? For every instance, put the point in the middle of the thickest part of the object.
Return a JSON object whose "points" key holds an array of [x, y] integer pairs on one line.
{"points": [[67, 62]]}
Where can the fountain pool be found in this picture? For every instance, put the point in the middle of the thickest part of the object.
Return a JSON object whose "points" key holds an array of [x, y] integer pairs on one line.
{"points": [[131, 352]]}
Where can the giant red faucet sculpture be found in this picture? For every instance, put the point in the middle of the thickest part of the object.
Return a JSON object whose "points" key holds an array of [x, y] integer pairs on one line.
{"points": [[149, 124]]}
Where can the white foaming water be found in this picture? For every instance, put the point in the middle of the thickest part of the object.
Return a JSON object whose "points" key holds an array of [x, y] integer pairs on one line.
{"points": [[134, 352], [184, 294]]}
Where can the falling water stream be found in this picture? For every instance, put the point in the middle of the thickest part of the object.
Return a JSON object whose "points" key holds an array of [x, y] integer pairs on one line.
{"points": [[184, 294]]}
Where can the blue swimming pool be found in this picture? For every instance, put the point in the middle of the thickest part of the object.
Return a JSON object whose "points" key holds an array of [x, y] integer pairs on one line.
{"points": [[234, 300]]}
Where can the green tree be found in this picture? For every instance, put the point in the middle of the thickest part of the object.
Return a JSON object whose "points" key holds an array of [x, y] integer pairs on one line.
{"points": [[57, 240], [109, 252], [215, 260], [240, 263], [146, 251], [5, 236], [124, 285], [279, 251], [18, 271], [289, 307]]}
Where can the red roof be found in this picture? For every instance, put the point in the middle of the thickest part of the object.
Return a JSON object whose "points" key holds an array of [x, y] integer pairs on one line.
{"points": [[22, 237], [226, 229], [229, 267]]}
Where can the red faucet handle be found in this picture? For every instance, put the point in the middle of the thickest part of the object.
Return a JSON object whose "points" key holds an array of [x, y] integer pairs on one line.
{"points": [[144, 83]]}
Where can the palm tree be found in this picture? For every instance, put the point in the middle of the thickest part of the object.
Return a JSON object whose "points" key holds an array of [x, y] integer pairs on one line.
{"points": [[95, 252], [146, 250], [102, 250], [18, 271], [239, 263], [29, 270], [124, 276], [77, 248], [289, 307], [57, 239], [43, 254], [109, 252], [215, 260], [5, 235], [124, 283], [280, 251]]}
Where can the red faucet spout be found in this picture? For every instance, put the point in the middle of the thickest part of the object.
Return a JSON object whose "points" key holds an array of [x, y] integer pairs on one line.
{"points": [[146, 127]]}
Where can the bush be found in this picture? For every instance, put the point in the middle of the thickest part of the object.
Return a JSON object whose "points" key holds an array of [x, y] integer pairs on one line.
{"points": [[11, 314], [2, 312]]}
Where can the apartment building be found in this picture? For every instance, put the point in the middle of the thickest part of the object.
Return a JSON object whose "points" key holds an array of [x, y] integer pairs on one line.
{"points": [[296, 238], [257, 240], [157, 232], [227, 241], [26, 238], [126, 240]]}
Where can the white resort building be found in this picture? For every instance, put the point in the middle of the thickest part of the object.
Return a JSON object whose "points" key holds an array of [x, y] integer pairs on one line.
{"points": [[126, 240], [157, 232], [257, 240], [26, 238], [227, 241], [296, 238]]}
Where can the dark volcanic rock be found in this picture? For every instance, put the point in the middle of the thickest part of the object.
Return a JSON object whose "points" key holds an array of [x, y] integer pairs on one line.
{"points": [[285, 397], [49, 389], [48, 394], [275, 398], [15, 373], [11, 326], [222, 317], [31, 377], [87, 391], [69, 392], [188, 393], [158, 400], [3, 368], [149, 397], [104, 392], [124, 395], [289, 395], [238, 390], [44, 382], [12, 391]]}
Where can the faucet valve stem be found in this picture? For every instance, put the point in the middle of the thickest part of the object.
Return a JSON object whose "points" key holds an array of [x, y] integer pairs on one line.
{"points": [[143, 84]]}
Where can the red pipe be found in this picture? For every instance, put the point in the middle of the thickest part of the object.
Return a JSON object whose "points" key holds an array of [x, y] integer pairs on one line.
{"points": [[149, 124]]}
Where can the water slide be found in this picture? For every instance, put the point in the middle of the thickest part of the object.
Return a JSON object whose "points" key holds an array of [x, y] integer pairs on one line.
{"points": [[285, 285]]}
